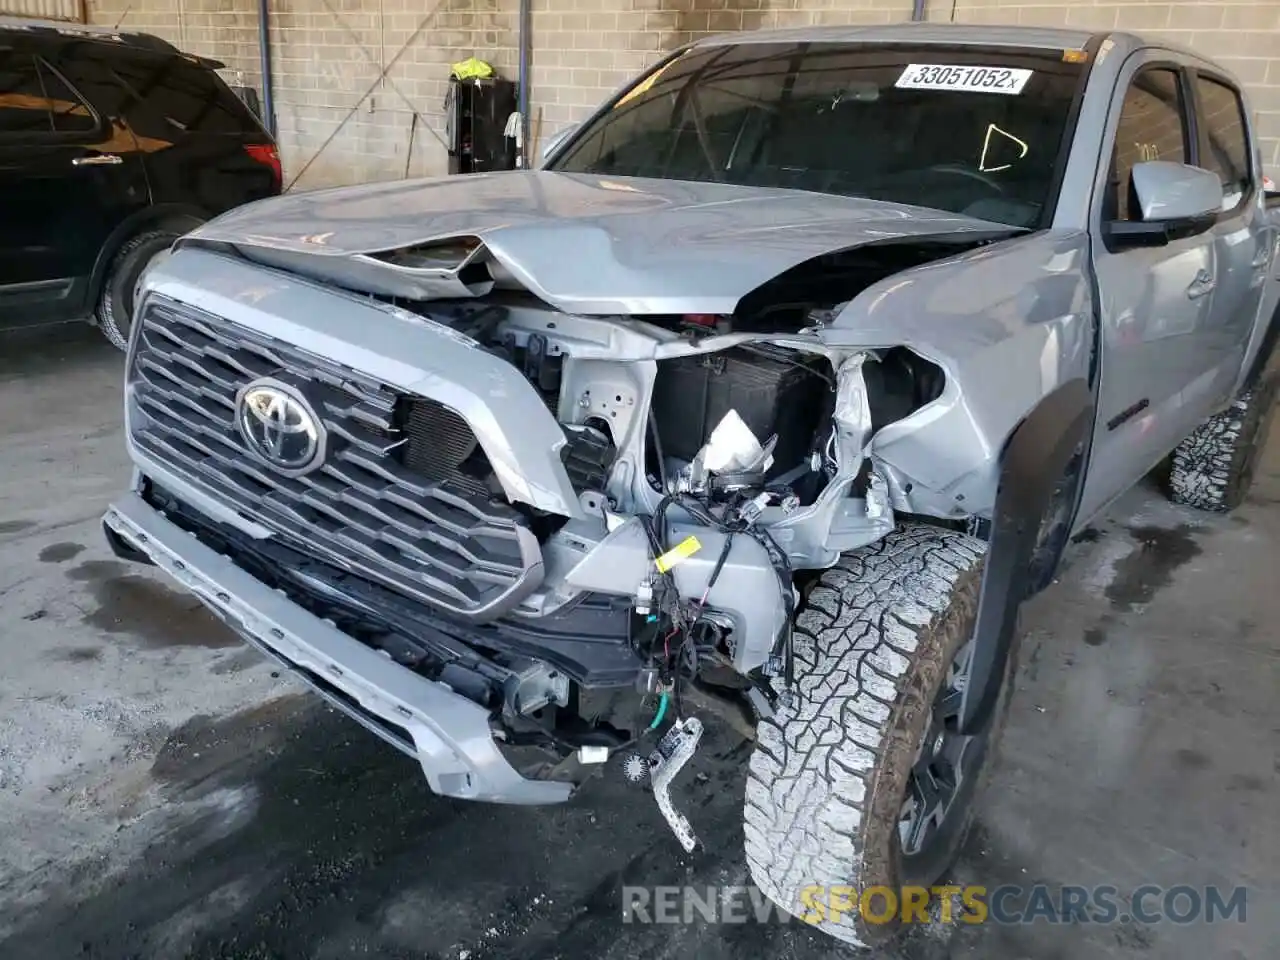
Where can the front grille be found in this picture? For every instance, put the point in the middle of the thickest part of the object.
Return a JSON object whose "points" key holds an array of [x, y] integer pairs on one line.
{"points": [[378, 505], [440, 445]]}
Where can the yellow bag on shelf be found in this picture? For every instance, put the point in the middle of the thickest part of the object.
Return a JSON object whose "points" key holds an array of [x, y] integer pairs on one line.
{"points": [[471, 69]]}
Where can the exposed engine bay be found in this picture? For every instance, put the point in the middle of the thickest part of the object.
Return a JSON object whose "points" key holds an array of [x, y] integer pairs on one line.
{"points": [[698, 454], [584, 522], [706, 451]]}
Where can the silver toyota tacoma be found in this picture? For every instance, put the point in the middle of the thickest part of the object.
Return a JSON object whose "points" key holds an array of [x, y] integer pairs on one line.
{"points": [[772, 395]]}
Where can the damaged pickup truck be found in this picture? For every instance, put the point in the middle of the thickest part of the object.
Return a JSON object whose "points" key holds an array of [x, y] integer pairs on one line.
{"points": [[772, 394]]}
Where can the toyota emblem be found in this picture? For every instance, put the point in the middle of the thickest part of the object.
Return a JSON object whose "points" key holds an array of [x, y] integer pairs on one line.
{"points": [[279, 427]]}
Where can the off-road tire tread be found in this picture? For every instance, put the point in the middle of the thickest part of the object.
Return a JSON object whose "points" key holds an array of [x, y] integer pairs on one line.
{"points": [[867, 646], [1211, 470]]}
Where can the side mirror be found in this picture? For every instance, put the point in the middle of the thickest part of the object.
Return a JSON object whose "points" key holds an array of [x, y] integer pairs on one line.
{"points": [[1174, 199], [554, 141], [1175, 192]]}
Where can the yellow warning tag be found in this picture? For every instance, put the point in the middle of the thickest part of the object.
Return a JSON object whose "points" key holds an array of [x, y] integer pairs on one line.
{"points": [[682, 551], [1075, 56]]}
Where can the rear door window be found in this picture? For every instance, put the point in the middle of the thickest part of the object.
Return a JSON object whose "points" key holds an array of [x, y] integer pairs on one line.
{"points": [[167, 95], [36, 103], [70, 114], [1224, 141]]}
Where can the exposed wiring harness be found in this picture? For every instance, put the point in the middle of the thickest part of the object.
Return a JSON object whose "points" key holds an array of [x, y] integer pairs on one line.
{"points": [[662, 712], [686, 618], [658, 454]]}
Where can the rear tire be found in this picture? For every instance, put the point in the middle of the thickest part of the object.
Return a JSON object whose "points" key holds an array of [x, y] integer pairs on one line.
{"points": [[115, 306], [835, 786], [1213, 468]]}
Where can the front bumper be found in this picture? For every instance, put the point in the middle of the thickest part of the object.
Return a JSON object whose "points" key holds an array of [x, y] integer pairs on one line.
{"points": [[448, 734]]}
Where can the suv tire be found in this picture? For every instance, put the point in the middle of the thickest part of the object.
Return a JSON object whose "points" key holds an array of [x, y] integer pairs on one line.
{"points": [[115, 305], [1213, 468], [835, 773]]}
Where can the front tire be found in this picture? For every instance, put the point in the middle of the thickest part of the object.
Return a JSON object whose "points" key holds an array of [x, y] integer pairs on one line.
{"points": [[114, 312], [863, 781], [1213, 468]]}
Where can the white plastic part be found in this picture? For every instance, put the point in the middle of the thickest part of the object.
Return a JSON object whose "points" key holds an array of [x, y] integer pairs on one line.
{"points": [[593, 754], [732, 447]]}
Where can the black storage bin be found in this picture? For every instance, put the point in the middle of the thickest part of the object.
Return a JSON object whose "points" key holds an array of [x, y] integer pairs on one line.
{"points": [[476, 113]]}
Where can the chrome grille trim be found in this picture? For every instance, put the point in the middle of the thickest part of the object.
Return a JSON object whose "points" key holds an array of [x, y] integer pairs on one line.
{"points": [[438, 540]]}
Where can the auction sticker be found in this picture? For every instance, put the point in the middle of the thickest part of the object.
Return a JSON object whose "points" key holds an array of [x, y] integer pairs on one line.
{"points": [[933, 76]]}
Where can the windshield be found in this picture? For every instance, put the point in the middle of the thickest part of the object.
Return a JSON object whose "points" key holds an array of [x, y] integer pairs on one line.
{"points": [[970, 130]]}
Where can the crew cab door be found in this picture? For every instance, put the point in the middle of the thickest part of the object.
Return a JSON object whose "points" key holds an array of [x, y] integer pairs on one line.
{"points": [[1243, 235], [1158, 339], [67, 178]]}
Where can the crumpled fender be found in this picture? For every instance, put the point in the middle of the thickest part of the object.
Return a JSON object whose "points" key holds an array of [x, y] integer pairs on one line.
{"points": [[1035, 457], [1008, 323]]}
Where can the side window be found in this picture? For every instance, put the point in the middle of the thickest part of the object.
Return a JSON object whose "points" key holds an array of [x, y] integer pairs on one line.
{"points": [[167, 94], [23, 109], [1224, 144], [34, 100], [1153, 126], [69, 112]]}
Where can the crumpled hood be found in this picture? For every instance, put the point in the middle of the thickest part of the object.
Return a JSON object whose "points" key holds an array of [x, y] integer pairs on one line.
{"points": [[584, 244]]}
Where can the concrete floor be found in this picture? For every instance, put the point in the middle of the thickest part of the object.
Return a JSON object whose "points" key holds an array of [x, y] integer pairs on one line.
{"points": [[164, 794]]}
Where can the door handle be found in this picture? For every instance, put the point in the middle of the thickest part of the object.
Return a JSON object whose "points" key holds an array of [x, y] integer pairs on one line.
{"points": [[1261, 260], [100, 160], [1202, 285]]}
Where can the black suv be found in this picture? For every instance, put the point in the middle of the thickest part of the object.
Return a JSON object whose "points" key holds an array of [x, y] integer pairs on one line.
{"points": [[111, 145]]}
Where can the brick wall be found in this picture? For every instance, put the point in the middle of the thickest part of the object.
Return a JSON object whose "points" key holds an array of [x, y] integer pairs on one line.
{"points": [[339, 120], [328, 55]]}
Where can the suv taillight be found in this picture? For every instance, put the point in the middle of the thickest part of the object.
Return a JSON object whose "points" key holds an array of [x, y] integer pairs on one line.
{"points": [[268, 155]]}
